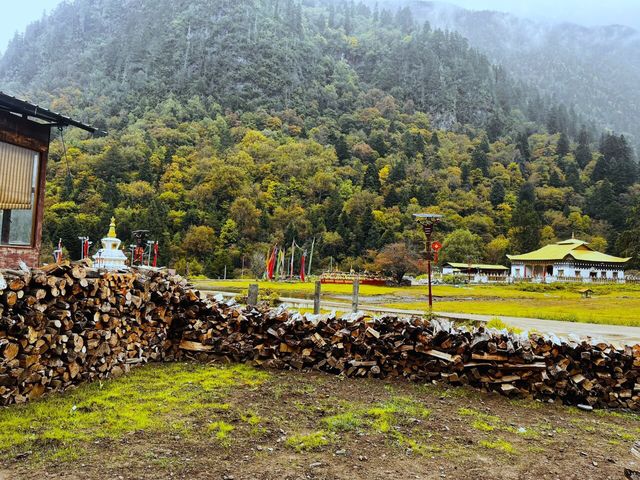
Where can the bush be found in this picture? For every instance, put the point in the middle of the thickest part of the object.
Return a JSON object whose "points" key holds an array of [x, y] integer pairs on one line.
{"points": [[455, 279]]}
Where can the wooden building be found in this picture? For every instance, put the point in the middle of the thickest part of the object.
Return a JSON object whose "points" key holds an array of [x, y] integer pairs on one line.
{"points": [[25, 132], [569, 260], [476, 272]]}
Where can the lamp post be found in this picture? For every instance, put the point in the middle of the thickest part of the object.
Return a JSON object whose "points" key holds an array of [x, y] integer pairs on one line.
{"points": [[428, 222]]}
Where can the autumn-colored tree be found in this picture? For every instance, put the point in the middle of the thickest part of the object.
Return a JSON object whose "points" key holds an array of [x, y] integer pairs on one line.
{"points": [[396, 259]]}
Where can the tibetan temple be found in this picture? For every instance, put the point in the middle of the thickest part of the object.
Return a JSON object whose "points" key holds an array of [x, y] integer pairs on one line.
{"points": [[571, 259]]}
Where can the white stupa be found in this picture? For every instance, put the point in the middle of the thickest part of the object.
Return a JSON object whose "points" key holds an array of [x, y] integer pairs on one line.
{"points": [[110, 256]]}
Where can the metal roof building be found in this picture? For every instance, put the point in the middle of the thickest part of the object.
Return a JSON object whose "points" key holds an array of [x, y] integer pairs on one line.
{"points": [[25, 132], [567, 260]]}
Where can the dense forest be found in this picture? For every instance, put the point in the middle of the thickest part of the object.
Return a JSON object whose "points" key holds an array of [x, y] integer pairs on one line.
{"points": [[596, 69], [235, 126]]}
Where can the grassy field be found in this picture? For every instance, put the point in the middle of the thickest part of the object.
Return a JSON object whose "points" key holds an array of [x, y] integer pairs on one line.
{"points": [[594, 310], [185, 420], [611, 304]]}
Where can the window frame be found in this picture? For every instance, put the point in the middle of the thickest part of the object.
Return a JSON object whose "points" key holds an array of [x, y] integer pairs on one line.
{"points": [[36, 185]]}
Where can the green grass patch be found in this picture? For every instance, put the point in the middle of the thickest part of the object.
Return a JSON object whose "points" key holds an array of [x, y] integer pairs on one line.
{"points": [[309, 441], [470, 412], [156, 398], [482, 426], [611, 310], [611, 304], [501, 445], [343, 422], [221, 430], [416, 446]]}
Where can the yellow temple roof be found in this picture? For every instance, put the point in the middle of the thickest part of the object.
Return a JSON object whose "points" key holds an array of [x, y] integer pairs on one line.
{"points": [[578, 249]]}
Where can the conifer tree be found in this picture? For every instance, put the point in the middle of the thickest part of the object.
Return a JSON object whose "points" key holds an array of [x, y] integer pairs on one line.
{"points": [[526, 221], [562, 148], [583, 151]]}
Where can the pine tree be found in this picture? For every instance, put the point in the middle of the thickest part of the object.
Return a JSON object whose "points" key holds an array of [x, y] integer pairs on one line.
{"points": [[435, 141], [572, 175], [342, 149], [583, 151], [616, 163], [67, 191], [371, 179], [479, 157], [497, 193], [523, 146], [526, 221], [554, 178], [562, 148]]}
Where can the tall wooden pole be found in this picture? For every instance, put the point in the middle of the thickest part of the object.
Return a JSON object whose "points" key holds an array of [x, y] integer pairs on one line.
{"points": [[316, 298], [252, 296], [313, 243], [356, 294]]}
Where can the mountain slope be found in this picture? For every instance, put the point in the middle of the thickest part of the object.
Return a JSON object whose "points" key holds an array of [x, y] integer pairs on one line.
{"points": [[597, 69], [115, 54], [235, 126]]}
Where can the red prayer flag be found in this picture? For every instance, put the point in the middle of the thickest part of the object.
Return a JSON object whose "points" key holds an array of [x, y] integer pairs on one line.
{"points": [[302, 262]]}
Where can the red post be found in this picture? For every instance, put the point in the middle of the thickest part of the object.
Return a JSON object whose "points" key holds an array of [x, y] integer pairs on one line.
{"points": [[429, 274], [428, 230], [428, 222]]}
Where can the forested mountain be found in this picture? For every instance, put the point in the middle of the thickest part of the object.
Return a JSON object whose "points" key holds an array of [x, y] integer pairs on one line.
{"points": [[595, 69], [127, 54], [234, 126]]}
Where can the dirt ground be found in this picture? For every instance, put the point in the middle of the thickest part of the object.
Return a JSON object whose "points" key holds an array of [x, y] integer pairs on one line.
{"points": [[310, 425]]}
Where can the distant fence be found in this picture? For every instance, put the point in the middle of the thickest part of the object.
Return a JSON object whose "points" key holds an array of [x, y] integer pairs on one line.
{"points": [[479, 279]]}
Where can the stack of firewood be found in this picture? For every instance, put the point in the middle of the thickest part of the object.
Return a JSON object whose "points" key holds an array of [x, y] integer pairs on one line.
{"points": [[66, 324], [514, 365]]}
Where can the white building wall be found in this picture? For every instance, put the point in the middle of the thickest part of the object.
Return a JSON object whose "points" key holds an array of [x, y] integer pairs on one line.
{"points": [[567, 270]]}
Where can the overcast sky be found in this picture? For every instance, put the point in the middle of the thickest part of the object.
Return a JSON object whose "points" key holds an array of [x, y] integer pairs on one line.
{"points": [[17, 14]]}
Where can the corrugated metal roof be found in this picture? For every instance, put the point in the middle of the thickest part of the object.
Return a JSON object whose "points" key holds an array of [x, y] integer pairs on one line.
{"points": [[476, 266], [578, 249], [12, 104]]}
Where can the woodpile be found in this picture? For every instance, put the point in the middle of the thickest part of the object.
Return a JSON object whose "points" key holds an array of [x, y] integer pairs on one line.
{"points": [[66, 324], [422, 350]]}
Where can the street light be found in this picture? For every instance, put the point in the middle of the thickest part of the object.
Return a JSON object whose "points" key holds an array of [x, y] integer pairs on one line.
{"points": [[428, 222]]}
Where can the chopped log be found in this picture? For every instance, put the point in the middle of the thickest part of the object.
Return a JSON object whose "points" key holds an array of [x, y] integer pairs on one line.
{"points": [[440, 355], [195, 346]]}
